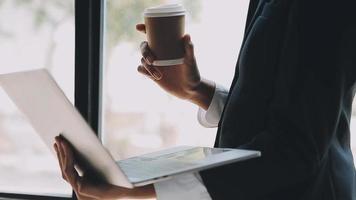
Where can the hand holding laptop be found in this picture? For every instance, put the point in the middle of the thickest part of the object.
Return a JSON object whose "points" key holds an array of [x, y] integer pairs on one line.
{"points": [[84, 187]]}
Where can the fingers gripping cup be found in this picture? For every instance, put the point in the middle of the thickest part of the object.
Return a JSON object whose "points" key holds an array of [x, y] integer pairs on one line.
{"points": [[165, 30]]}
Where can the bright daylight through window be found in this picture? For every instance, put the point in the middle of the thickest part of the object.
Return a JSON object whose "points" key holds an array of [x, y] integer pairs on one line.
{"points": [[33, 34]]}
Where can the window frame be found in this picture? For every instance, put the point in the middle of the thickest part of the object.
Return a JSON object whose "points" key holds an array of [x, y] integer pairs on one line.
{"points": [[89, 37]]}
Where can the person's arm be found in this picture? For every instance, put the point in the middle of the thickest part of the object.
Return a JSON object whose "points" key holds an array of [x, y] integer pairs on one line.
{"points": [[183, 81]]}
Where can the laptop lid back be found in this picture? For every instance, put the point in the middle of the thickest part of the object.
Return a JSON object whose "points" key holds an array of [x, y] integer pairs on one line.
{"points": [[41, 100]]}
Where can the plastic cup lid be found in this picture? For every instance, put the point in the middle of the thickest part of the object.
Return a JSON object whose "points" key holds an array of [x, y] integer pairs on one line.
{"points": [[166, 10]]}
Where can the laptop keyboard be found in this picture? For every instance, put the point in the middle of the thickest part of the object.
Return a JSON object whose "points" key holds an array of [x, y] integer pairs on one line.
{"points": [[139, 169], [151, 166]]}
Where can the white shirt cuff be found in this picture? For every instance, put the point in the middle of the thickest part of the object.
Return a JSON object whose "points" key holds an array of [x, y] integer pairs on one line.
{"points": [[210, 118], [185, 186]]}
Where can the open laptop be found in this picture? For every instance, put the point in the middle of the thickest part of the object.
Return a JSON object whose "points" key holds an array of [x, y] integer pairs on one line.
{"points": [[45, 105]]}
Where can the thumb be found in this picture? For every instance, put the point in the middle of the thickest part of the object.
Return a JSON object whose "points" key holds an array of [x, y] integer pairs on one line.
{"points": [[188, 46]]}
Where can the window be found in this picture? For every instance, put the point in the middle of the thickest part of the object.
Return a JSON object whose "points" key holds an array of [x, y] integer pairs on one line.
{"points": [[33, 34]]}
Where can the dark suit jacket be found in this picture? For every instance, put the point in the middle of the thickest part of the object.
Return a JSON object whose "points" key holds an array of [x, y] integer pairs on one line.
{"points": [[291, 98]]}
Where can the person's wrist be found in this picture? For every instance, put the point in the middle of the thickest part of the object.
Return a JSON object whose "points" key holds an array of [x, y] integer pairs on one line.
{"points": [[147, 191], [118, 192], [202, 94]]}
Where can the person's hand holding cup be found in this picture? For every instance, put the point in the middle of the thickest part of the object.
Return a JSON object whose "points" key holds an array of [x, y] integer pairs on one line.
{"points": [[168, 54]]}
